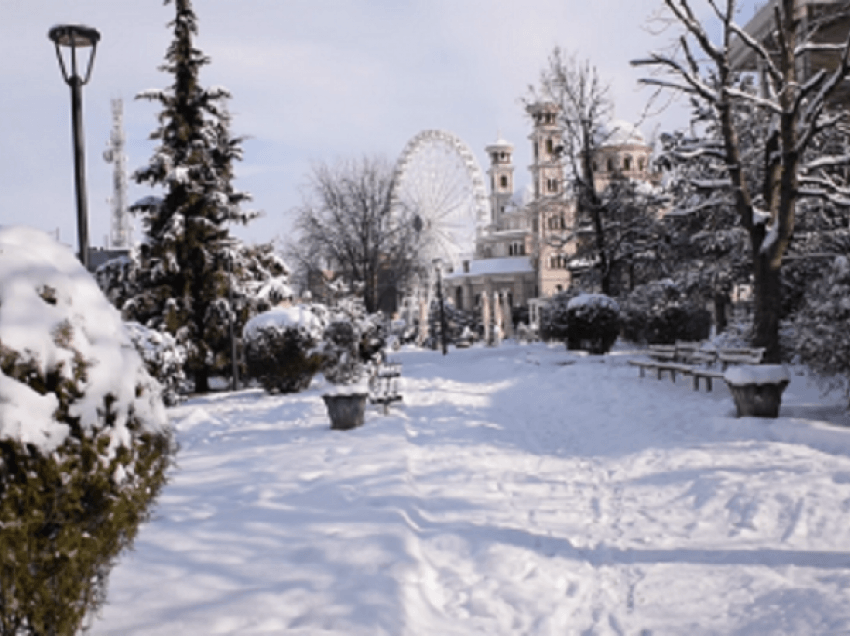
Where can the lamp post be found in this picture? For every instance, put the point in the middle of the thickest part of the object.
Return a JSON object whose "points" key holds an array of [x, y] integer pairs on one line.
{"points": [[76, 37], [438, 263]]}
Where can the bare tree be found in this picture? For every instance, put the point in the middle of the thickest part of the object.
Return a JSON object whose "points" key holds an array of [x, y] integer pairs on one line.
{"points": [[346, 223], [615, 222], [795, 109]]}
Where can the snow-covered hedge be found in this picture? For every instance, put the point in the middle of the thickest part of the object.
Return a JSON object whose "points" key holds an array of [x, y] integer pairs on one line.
{"points": [[660, 312], [163, 357], [593, 323], [822, 327], [281, 347], [84, 436], [553, 316]]}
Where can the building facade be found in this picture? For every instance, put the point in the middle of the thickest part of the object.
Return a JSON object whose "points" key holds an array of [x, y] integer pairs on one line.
{"points": [[523, 252]]}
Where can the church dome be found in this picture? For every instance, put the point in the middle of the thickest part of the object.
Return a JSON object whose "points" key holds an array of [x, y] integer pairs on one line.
{"points": [[619, 133]]}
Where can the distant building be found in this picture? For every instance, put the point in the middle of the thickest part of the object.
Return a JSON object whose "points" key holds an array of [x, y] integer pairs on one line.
{"points": [[514, 254], [833, 28]]}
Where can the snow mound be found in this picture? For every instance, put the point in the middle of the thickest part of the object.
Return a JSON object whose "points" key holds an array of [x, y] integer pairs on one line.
{"points": [[55, 319], [756, 374], [593, 301], [282, 318]]}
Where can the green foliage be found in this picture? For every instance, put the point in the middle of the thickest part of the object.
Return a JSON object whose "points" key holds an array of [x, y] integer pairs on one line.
{"points": [[679, 322], [181, 279], [65, 517], [282, 360], [664, 311], [553, 316], [593, 325], [822, 336]]}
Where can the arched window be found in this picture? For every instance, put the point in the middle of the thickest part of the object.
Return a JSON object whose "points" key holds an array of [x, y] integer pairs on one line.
{"points": [[549, 146], [641, 163], [610, 164], [627, 163], [503, 181]]}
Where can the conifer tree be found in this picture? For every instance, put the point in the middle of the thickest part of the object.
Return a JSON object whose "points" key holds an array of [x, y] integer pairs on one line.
{"points": [[182, 276]]}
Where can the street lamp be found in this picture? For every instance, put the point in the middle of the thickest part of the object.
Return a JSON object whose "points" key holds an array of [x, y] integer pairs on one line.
{"points": [[74, 37], [438, 262]]}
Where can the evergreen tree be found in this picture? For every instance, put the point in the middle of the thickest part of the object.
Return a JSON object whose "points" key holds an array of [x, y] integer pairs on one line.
{"points": [[182, 277], [822, 338]]}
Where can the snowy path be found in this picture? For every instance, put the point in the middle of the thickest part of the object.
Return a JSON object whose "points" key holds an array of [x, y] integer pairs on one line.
{"points": [[519, 490]]}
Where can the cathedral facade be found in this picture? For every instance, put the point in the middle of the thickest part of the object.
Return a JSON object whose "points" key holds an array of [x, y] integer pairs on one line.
{"points": [[522, 253]]}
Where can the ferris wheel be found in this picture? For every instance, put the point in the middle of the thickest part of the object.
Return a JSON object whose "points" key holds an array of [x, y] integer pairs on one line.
{"points": [[438, 181]]}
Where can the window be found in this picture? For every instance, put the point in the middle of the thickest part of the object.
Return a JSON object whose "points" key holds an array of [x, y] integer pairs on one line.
{"points": [[627, 163], [641, 163], [503, 181], [552, 185], [549, 146], [610, 165]]}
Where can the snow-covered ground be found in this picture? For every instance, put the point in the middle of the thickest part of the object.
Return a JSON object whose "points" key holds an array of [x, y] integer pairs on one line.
{"points": [[516, 490]]}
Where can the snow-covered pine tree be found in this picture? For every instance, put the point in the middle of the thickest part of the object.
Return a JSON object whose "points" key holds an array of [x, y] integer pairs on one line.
{"points": [[182, 266]]}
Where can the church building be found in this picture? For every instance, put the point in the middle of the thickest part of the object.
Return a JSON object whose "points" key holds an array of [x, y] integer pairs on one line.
{"points": [[514, 253]]}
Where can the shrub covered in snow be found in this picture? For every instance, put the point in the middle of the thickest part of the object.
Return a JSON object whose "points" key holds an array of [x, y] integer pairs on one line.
{"points": [[163, 358], [553, 316], [341, 362], [687, 322], [593, 323], [661, 312], [281, 348], [823, 327], [84, 437]]}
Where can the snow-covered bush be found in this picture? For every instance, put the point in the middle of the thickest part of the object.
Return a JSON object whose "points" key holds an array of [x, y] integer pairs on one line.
{"points": [[823, 327], [687, 322], [163, 358], [84, 437], [341, 363], [281, 348], [593, 323], [661, 312], [553, 316]]}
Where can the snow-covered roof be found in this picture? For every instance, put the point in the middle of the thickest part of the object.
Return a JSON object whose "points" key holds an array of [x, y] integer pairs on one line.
{"points": [[619, 133], [507, 265]]}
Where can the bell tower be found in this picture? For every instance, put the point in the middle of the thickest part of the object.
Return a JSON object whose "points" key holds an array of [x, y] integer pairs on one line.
{"points": [[501, 174], [552, 211], [547, 170]]}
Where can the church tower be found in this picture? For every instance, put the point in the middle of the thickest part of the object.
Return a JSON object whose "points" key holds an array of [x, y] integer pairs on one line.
{"points": [[551, 210], [501, 178], [547, 171]]}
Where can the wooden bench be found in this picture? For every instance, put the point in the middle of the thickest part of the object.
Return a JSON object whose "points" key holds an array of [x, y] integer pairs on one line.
{"points": [[671, 368], [384, 385], [708, 375]]}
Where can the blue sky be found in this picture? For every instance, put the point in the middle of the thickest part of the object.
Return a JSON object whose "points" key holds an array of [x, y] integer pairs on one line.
{"points": [[313, 80]]}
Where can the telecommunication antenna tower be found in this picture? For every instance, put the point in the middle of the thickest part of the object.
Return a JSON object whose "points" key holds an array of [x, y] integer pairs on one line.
{"points": [[121, 226]]}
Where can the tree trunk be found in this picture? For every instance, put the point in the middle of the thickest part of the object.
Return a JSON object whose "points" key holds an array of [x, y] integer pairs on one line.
{"points": [[721, 302], [768, 306], [202, 379]]}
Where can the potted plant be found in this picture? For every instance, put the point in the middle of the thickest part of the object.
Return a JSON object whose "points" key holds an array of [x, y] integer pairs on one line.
{"points": [[343, 368], [757, 388]]}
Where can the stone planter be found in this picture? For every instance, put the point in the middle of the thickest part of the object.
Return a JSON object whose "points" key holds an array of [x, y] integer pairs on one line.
{"points": [[757, 389], [346, 410]]}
